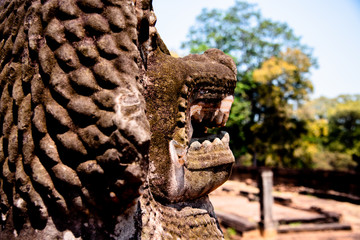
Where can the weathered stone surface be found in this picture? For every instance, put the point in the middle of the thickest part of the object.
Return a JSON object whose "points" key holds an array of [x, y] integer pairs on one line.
{"points": [[199, 162], [60, 83], [48, 10], [84, 106], [83, 77], [46, 59], [24, 113], [75, 28], [107, 45], [66, 55], [69, 8], [48, 146], [97, 23], [91, 4], [80, 158], [19, 42], [55, 111], [104, 98], [39, 119], [268, 226], [71, 141], [106, 71], [116, 18], [55, 31]]}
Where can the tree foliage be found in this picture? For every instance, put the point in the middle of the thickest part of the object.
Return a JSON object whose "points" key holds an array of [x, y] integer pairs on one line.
{"points": [[333, 132], [242, 32], [280, 82], [273, 77], [272, 122], [344, 126]]}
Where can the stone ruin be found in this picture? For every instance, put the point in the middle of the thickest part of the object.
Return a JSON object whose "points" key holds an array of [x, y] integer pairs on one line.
{"points": [[102, 132]]}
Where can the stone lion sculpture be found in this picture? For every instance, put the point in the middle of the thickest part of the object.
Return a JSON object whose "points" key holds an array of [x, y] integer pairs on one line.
{"points": [[102, 132]]}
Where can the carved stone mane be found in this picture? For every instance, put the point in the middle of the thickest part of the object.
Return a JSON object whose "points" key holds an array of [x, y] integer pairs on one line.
{"points": [[101, 130]]}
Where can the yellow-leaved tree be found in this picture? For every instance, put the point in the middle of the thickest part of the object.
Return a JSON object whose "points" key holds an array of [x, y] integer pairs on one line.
{"points": [[332, 141], [273, 75], [281, 85]]}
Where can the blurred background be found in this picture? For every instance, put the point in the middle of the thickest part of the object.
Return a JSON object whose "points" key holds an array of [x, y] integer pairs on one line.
{"points": [[297, 100]]}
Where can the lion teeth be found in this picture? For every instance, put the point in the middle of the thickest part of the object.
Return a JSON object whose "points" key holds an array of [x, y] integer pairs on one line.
{"points": [[217, 141], [206, 144], [211, 144], [195, 146], [225, 107], [226, 103], [226, 117], [214, 115], [177, 152], [196, 112], [210, 112], [226, 139], [219, 118]]}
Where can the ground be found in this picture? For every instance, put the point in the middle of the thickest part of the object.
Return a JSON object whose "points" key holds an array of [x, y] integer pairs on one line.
{"points": [[227, 199]]}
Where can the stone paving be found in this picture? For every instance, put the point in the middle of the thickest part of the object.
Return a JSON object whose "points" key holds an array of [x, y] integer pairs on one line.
{"points": [[230, 201], [251, 210]]}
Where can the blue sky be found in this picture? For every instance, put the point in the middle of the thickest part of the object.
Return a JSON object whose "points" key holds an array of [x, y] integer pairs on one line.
{"points": [[331, 27]]}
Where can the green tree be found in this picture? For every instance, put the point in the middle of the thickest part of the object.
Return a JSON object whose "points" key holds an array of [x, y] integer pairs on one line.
{"points": [[344, 125], [316, 109], [332, 140], [242, 32], [261, 121], [280, 82]]}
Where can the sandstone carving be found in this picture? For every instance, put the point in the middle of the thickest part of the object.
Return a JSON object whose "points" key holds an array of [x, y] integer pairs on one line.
{"points": [[184, 97], [101, 130]]}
